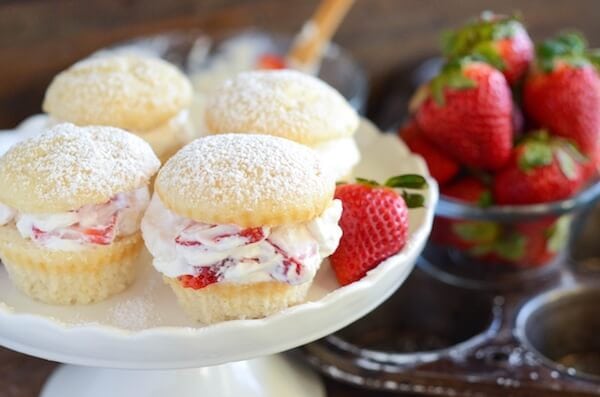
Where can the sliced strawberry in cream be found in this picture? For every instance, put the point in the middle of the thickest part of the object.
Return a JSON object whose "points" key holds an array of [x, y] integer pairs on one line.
{"points": [[205, 277], [96, 224], [102, 235], [219, 237]]}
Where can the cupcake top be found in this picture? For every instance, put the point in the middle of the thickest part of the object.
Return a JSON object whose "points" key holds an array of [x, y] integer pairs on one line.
{"points": [[131, 92], [283, 103], [67, 167], [246, 180]]}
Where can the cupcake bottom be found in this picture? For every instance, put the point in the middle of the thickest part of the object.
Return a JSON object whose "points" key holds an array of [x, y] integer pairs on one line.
{"points": [[228, 301], [69, 277]]}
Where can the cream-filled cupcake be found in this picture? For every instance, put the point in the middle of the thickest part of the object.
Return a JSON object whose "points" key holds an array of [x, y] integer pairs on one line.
{"points": [[71, 201], [239, 224], [290, 105], [145, 96]]}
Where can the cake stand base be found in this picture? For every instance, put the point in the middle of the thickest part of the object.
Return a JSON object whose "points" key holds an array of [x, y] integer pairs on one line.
{"points": [[266, 376]]}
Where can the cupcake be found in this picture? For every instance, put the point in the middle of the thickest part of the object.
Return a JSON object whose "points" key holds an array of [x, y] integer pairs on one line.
{"points": [[145, 96], [238, 225], [290, 105], [71, 201]]}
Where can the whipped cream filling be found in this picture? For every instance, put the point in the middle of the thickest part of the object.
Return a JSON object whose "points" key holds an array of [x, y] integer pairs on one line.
{"points": [[98, 224], [288, 253], [339, 156]]}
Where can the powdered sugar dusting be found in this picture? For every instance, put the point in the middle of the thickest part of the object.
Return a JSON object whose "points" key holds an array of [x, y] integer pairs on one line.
{"points": [[284, 103], [66, 167], [136, 312], [244, 173]]}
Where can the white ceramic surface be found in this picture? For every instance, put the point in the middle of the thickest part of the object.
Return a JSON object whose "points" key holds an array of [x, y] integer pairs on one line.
{"points": [[144, 328], [270, 376]]}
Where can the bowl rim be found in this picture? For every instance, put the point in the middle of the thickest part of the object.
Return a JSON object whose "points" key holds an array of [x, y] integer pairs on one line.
{"points": [[457, 209]]}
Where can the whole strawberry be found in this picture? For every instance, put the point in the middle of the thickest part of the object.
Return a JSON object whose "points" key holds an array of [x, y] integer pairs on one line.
{"points": [[501, 41], [374, 223], [467, 110], [541, 169], [441, 167], [562, 93]]}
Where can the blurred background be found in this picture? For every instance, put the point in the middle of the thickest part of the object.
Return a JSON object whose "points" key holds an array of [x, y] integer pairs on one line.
{"points": [[39, 38]]}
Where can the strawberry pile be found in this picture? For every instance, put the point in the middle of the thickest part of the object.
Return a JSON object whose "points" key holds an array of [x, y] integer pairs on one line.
{"points": [[507, 123]]}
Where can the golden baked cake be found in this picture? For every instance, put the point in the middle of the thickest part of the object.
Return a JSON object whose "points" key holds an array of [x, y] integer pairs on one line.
{"points": [[71, 201], [145, 96], [239, 224], [292, 105]]}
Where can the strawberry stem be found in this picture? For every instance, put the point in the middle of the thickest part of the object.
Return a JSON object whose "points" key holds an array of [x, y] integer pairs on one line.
{"points": [[368, 182]]}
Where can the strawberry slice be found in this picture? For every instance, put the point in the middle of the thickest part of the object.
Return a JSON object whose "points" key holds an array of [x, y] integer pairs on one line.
{"points": [[270, 62], [251, 235], [287, 260], [205, 277], [103, 235], [254, 234]]}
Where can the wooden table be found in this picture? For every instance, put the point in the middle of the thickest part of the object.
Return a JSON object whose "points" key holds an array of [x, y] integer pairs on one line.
{"points": [[39, 38]]}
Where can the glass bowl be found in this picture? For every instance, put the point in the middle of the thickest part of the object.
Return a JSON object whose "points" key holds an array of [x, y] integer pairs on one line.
{"points": [[503, 246]]}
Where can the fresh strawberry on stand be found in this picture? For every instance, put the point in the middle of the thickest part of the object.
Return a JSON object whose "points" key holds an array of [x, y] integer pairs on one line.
{"points": [[374, 223]]}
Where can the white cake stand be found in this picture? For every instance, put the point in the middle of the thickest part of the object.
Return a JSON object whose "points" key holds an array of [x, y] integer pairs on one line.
{"points": [[144, 329]]}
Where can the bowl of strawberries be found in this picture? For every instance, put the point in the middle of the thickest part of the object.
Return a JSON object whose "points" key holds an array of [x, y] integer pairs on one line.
{"points": [[511, 132]]}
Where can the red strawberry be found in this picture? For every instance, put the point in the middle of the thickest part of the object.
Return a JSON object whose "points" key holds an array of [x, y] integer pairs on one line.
{"points": [[562, 94], [374, 224], [467, 110], [270, 61], [499, 40], [204, 277], [441, 167], [471, 190], [540, 170]]}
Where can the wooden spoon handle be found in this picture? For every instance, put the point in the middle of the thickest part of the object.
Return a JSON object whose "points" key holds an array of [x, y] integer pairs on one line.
{"points": [[311, 42]]}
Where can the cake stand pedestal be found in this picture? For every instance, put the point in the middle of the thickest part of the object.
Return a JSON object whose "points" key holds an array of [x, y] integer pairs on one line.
{"points": [[270, 376]]}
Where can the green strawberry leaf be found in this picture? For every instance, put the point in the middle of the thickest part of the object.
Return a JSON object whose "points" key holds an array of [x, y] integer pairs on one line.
{"points": [[593, 56], [413, 200], [566, 163], [485, 200], [476, 231], [569, 47], [558, 234], [368, 182], [411, 181], [487, 28], [487, 53], [451, 77], [511, 247], [535, 154]]}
